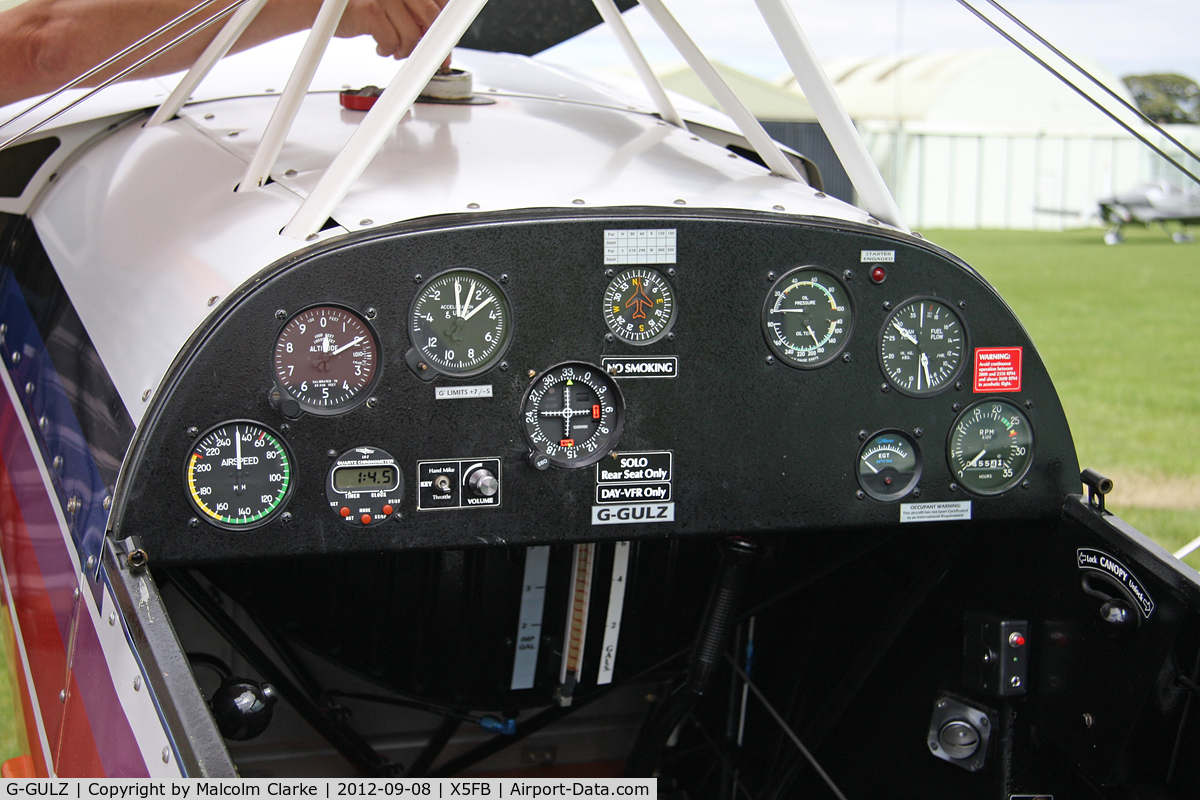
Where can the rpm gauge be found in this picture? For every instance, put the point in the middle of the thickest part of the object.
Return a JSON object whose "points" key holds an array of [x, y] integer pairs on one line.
{"points": [[921, 347], [889, 465], [990, 447], [807, 318], [460, 324], [572, 415], [639, 306], [327, 359], [239, 475]]}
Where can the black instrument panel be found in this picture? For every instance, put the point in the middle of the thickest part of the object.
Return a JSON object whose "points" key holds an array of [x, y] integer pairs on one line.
{"points": [[728, 421]]}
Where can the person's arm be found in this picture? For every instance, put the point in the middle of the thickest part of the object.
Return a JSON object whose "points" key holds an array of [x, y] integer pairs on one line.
{"points": [[44, 44]]}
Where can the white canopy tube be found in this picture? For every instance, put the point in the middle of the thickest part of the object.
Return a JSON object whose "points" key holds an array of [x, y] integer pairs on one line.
{"points": [[293, 95], [766, 148], [215, 51], [612, 15], [381, 120], [872, 191]]}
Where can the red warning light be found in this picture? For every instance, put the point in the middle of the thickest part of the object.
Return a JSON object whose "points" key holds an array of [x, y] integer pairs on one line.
{"points": [[595, 412], [1016, 640], [878, 274], [567, 443]]}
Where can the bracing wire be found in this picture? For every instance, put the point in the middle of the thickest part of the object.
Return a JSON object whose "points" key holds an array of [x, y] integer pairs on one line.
{"points": [[1107, 90], [1099, 106], [787, 729], [180, 39]]}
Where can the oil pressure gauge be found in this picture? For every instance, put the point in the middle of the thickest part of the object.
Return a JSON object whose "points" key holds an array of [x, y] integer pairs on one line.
{"points": [[572, 415], [990, 447], [807, 318]]}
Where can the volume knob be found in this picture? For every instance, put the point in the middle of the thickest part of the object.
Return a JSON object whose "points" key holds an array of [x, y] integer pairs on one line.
{"points": [[483, 483]]}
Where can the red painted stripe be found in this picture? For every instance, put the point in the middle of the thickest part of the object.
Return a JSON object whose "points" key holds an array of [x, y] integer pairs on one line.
{"points": [[35, 614]]}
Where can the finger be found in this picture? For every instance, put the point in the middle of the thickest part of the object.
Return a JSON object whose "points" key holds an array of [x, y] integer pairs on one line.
{"points": [[424, 11], [404, 26]]}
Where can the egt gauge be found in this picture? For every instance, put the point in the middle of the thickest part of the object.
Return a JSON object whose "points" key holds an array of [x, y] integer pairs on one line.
{"points": [[889, 465], [238, 475]]}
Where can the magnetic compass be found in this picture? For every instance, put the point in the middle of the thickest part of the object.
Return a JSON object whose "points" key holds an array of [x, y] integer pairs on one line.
{"points": [[639, 305]]}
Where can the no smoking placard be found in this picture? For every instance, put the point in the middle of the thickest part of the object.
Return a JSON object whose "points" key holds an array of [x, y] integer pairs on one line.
{"points": [[997, 369]]}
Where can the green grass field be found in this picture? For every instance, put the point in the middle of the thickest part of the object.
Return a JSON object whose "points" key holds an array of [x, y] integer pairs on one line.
{"points": [[1119, 330]]}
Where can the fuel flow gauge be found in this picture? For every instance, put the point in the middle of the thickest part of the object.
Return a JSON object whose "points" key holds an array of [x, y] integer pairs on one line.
{"points": [[889, 465]]}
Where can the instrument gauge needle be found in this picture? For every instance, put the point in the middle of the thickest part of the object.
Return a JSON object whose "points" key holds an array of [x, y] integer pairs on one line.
{"points": [[348, 345], [871, 466], [975, 460], [458, 309], [477, 308], [925, 368], [905, 332]]}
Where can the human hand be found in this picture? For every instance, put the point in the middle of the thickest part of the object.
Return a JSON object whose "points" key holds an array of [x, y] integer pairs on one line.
{"points": [[396, 25]]}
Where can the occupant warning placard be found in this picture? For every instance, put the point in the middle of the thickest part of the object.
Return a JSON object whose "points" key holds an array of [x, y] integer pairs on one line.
{"points": [[997, 369]]}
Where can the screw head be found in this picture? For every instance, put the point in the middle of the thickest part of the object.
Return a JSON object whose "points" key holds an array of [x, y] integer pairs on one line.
{"points": [[778, 207], [291, 173], [1028, 404], [887, 305], [957, 407], [372, 402], [285, 517], [366, 221], [885, 388], [916, 492], [194, 522], [280, 313], [532, 373], [504, 366], [962, 304], [192, 431], [820, 194], [112, 618], [418, 278], [62, 696], [577, 201], [312, 237], [848, 274], [137, 683], [608, 337], [372, 313], [57, 462], [16, 358], [862, 436], [75, 594], [504, 277], [212, 301], [918, 432], [958, 386], [106, 504], [772, 275], [145, 395], [846, 358], [91, 563], [860, 494], [671, 337], [953, 486], [166, 755], [473, 206], [679, 201], [770, 359]]}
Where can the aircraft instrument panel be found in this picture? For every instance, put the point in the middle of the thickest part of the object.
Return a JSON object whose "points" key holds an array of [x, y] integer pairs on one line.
{"points": [[558, 377]]}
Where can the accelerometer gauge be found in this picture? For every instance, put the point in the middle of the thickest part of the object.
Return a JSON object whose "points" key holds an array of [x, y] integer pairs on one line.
{"points": [[364, 486], [990, 447], [921, 347], [239, 475], [889, 465], [326, 359], [572, 415], [460, 324], [807, 318], [639, 306]]}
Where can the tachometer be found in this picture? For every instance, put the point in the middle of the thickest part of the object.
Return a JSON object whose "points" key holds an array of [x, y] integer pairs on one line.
{"points": [[990, 447], [807, 318], [460, 324], [921, 347], [239, 475], [572, 415], [326, 358]]}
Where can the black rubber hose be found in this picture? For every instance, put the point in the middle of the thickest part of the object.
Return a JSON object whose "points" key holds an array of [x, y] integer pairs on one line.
{"points": [[720, 617]]}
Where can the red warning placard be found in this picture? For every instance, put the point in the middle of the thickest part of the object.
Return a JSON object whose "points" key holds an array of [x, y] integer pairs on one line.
{"points": [[997, 369]]}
